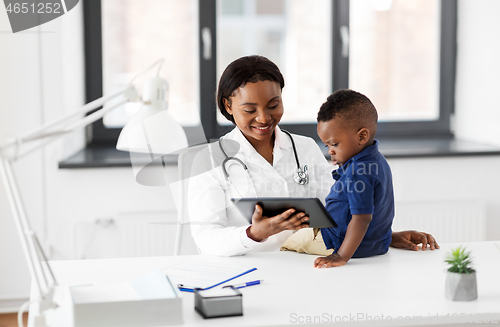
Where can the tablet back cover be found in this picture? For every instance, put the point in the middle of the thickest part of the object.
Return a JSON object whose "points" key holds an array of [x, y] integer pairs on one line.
{"points": [[312, 207]]}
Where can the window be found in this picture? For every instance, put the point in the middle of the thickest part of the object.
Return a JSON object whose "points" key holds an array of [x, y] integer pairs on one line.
{"points": [[402, 56], [123, 38], [400, 53], [394, 57], [135, 34], [295, 34], [279, 30]]}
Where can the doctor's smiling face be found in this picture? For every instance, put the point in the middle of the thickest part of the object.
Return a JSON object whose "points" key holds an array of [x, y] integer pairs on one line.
{"points": [[256, 109]]}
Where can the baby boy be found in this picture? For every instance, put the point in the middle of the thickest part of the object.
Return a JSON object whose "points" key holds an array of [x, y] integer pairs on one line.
{"points": [[361, 200]]}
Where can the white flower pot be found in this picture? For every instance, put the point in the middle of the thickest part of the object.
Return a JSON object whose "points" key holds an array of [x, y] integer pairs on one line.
{"points": [[461, 287]]}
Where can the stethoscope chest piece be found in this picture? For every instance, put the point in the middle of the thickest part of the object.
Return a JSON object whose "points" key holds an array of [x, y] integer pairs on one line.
{"points": [[301, 177]]}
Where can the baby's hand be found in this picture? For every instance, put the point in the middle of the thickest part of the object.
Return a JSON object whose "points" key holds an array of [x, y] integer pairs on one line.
{"points": [[333, 260]]}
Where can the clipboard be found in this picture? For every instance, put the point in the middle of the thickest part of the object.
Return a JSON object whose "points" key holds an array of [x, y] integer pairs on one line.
{"points": [[312, 207], [202, 275]]}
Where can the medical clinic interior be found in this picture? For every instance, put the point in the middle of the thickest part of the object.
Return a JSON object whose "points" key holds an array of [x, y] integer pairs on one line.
{"points": [[90, 196]]}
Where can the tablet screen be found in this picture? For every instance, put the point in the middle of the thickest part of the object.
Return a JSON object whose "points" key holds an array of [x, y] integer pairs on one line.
{"points": [[312, 207]]}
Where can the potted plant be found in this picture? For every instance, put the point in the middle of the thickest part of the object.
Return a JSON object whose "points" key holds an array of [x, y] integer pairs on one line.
{"points": [[461, 282]]}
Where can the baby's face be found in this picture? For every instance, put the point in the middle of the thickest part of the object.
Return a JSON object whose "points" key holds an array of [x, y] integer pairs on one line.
{"points": [[343, 141]]}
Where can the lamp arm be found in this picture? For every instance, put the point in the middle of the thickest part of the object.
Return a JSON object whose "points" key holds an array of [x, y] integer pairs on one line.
{"points": [[31, 247], [22, 224], [93, 117], [46, 130], [29, 241], [9, 151], [147, 69], [52, 135]]}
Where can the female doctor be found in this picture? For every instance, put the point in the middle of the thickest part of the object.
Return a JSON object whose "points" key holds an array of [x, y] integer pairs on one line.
{"points": [[258, 159]]}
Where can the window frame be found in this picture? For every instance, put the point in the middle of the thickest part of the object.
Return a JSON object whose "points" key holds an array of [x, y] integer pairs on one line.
{"points": [[98, 134], [447, 72]]}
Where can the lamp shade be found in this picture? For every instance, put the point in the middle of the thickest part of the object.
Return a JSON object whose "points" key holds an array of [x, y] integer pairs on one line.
{"points": [[153, 130]]}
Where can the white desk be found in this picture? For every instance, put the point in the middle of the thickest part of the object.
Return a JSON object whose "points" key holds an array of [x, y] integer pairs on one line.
{"points": [[399, 288]]}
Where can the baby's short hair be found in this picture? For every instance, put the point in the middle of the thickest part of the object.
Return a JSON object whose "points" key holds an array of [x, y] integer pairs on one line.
{"points": [[351, 106]]}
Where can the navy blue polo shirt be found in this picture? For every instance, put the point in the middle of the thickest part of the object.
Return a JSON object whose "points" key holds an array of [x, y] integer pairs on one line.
{"points": [[363, 186]]}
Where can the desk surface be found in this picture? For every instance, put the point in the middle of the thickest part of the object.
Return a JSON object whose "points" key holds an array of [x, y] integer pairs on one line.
{"points": [[399, 288]]}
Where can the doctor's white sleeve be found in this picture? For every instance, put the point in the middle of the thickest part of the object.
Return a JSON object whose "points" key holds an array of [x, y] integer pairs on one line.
{"points": [[213, 231]]}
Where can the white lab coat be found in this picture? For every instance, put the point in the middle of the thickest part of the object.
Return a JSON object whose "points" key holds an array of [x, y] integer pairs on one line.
{"points": [[217, 226]]}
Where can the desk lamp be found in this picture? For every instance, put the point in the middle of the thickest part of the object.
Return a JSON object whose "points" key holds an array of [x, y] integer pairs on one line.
{"points": [[152, 130]]}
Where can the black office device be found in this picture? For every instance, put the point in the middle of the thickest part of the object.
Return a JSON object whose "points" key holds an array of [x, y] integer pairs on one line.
{"points": [[312, 207]]}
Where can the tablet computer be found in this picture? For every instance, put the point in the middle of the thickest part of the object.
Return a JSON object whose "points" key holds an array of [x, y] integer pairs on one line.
{"points": [[312, 207]]}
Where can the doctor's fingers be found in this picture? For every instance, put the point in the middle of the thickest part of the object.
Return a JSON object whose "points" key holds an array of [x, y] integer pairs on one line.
{"points": [[257, 213], [284, 215], [297, 221]]}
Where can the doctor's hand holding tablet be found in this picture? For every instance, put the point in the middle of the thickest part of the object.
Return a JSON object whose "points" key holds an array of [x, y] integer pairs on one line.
{"points": [[267, 162], [273, 215], [262, 227]]}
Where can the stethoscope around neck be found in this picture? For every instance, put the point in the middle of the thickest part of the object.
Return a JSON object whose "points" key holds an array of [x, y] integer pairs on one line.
{"points": [[301, 176]]}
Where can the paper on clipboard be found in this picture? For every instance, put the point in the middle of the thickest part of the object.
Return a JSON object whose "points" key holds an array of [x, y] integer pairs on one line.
{"points": [[204, 274]]}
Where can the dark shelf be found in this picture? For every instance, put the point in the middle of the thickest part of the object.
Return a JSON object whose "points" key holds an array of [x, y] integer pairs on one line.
{"points": [[108, 156]]}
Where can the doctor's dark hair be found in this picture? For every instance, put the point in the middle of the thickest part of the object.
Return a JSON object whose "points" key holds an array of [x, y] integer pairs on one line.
{"points": [[351, 106], [249, 69]]}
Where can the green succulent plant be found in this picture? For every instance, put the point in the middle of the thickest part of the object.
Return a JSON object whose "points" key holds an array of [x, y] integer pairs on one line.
{"points": [[459, 261]]}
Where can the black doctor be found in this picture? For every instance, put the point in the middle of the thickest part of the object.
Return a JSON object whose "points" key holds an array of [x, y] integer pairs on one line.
{"points": [[249, 95]]}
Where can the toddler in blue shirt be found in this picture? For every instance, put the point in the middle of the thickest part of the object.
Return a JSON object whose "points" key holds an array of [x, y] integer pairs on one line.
{"points": [[362, 199]]}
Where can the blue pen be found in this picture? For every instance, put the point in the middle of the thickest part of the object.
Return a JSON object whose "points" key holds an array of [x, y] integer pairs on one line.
{"points": [[185, 288], [255, 282]]}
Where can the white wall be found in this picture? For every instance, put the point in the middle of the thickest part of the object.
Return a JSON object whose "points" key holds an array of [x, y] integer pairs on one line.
{"points": [[477, 107], [41, 76], [450, 180], [20, 110], [478, 70]]}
